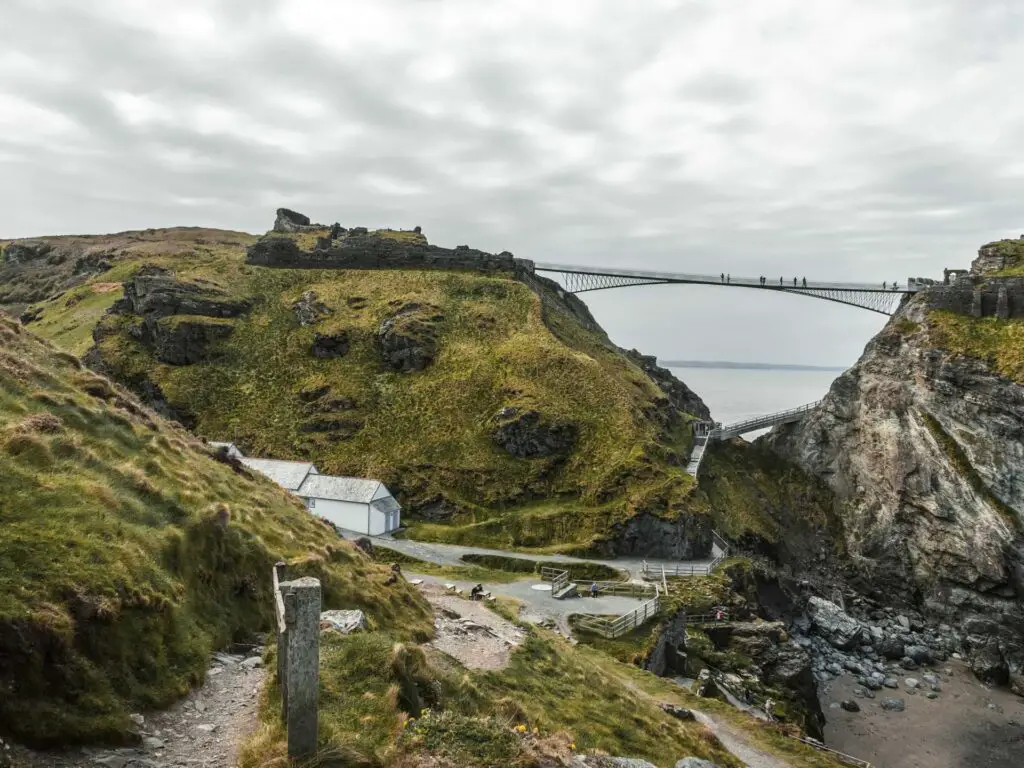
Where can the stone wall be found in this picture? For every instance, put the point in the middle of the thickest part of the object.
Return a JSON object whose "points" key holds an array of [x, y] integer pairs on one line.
{"points": [[976, 296], [373, 251]]}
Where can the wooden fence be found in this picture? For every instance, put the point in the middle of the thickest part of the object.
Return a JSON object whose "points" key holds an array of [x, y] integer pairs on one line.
{"points": [[297, 607], [559, 578], [620, 625]]}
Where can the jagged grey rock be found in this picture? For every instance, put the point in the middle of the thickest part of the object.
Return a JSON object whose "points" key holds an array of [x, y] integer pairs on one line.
{"points": [[893, 705], [309, 309], [924, 451], [408, 338], [293, 221], [832, 623]]}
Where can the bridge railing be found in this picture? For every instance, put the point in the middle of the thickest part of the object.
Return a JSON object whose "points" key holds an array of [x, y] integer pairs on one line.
{"points": [[760, 422], [685, 277]]}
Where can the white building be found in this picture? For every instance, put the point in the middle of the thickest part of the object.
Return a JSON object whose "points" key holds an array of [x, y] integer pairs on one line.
{"points": [[353, 503]]}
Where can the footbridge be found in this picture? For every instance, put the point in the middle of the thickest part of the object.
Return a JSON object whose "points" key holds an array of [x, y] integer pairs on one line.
{"points": [[704, 432], [882, 297]]}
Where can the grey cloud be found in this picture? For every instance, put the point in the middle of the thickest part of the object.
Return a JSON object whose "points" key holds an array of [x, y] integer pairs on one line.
{"points": [[866, 202]]}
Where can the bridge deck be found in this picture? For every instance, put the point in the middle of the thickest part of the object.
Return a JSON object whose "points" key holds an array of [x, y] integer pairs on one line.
{"points": [[641, 276]]}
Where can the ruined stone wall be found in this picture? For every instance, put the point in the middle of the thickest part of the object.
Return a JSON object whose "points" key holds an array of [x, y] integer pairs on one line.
{"points": [[1001, 297]]}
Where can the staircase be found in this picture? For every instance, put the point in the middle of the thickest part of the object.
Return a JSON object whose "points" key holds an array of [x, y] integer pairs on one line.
{"points": [[561, 587], [706, 431]]}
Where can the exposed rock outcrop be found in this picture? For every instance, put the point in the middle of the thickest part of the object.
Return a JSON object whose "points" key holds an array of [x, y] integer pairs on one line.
{"points": [[186, 340], [681, 397], [180, 320], [997, 256], [925, 453], [309, 310], [293, 221], [155, 293], [831, 622], [25, 251], [330, 345], [408, 338], [526, 434], [687, 537]]}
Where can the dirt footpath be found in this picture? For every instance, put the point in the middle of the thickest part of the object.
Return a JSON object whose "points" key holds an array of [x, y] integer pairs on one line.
{"points": [[203, 730], [469, 632], [966, 725]]}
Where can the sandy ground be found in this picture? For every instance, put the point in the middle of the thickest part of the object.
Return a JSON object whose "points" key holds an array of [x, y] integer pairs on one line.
{"points": [[469, 632], [967, 726], [203, 730]]}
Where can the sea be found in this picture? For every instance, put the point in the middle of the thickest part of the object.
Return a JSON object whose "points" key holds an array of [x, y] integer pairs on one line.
{"points": [[734, 392]]}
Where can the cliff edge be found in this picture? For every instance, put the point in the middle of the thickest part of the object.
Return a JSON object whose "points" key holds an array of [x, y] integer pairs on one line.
{"points": [[921, 442]]}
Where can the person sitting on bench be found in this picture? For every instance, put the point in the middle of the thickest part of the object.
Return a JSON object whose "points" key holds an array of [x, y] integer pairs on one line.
{"points": [[477, 592]]}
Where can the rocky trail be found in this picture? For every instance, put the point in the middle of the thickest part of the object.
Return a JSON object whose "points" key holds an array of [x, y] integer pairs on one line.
{"points": [[467, 631], [203, 730], [734, 741]]}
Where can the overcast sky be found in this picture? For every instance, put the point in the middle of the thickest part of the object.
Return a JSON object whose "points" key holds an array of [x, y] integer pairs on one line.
{"points": [[838, 139]]}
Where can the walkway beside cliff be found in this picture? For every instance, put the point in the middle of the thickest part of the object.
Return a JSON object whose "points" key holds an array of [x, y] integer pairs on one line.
{"points": [[451, 554]]}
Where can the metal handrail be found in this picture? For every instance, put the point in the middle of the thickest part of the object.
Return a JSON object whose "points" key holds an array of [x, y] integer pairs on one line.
{"points": [[848, 759], [759, 422], [682, 277]]}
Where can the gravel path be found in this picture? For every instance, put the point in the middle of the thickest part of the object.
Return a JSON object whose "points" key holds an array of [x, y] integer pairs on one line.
{"points": [[203, 730], [451, 554], [734, 741], [541, 605]]}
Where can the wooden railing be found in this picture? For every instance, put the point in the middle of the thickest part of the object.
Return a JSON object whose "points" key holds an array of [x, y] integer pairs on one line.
{"points": [[559, 578], [690, 569], [628, 588], [620, 625]]}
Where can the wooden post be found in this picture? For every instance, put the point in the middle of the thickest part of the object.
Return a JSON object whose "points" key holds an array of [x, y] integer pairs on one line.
{"points": [[302, 616]]}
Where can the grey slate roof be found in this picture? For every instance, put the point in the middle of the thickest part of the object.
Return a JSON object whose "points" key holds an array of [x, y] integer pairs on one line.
{"points": [[288, 474], [232, 449], [387, 504], [357, 489]]}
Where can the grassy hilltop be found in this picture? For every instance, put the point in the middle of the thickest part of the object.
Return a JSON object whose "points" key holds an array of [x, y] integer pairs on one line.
{"points": [[128, 553], [493, 345]]}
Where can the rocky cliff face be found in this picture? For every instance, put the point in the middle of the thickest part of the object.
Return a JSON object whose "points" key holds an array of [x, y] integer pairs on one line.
{"points": [[923, 450]]}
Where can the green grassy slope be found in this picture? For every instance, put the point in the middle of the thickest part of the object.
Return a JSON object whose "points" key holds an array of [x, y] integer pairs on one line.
{"points": [[427, 432], [128, 553]]}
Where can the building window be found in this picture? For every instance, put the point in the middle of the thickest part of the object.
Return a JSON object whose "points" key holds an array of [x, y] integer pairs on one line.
{"points": [[310, 503]]}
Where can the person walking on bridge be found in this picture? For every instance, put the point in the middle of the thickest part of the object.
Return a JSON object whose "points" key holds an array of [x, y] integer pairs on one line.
{"points": [[728, 279], [794, 282], [805, 282], [883, 285], [780, 280], [723, 277]]}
